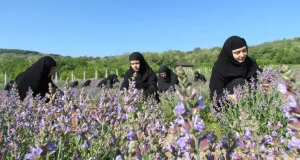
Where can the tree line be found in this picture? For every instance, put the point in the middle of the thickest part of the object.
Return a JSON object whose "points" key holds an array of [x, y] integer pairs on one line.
{"points": [[13, 61]]}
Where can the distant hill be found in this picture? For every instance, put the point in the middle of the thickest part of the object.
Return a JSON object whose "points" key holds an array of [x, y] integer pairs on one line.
{"points": [[15, 61]]}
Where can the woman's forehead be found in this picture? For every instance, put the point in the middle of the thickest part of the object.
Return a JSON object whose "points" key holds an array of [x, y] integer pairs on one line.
{"points": [[239, 49], [134, 61]]}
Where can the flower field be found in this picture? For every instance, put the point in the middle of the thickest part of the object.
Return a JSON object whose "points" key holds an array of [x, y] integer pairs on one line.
{"points": [[90, 123]]}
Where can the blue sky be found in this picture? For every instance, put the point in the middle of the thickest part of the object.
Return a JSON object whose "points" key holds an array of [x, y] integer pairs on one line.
{"points": [[110, 27]]}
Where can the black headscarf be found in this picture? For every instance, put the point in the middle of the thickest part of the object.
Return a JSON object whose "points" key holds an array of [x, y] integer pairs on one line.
{"points": [[227, 68], [86, 83], [36, 77], [171, 79], [73, 84], [146, 78]]}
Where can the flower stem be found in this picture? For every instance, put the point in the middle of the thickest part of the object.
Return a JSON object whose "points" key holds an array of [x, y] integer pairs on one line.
{"points": [[197, 148], [60, 147]]}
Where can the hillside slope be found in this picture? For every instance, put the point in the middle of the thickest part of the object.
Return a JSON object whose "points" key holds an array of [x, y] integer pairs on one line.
{"points": [[14, 61]]}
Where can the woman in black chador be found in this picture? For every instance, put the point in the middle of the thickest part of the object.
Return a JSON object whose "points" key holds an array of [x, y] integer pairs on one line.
{"points": [[232, 68], [37, 77], [166, 79], [199, 77], [109, 81], [145, 77]]}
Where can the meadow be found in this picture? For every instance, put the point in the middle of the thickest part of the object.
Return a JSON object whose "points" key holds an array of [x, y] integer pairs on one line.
{"points": [[92, 123]]}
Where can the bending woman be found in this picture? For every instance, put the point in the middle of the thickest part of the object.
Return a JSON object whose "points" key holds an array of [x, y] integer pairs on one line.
{"points": [[232, 68], [109, 81], [166, 79], [37, 77], [145, 77], [199, 77]]}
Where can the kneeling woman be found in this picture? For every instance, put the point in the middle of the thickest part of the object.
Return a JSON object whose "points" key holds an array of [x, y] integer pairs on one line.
{"points": [[232, 68], [145, 77], [167, 79], [37, 77]]}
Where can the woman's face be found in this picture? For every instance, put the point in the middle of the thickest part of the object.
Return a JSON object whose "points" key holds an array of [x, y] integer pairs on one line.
{"points": [[163, 74], [135, 65], [52, 71], [240, 54]]}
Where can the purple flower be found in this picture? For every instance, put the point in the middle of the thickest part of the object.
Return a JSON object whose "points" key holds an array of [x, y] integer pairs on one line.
{"points": [[34, 152], [13, 131], [170, 146], [200, 103], [181, 142], [130, 136], [157, 155], [187, 155], [179, 121], [76, 155], [262, 148], [209, 156], [282, 151], [158, 126], [138, 157], [274, 134], [279, 124], [128, 100], [119, 108], [235, 155], [29, 156], [119, 157], [282, 88], [42, 123], [267, 139], [180, 109], [51, 146], [85, 145], [223, 141], [210, 137], [79, 133], [198, 124], [293, 101], [37, 151], [247, 133], [130, 108], [237, 142], [294, 143], [289, 132]]}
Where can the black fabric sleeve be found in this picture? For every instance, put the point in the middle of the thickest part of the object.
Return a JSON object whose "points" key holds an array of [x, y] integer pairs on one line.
{"points": [[216, 85], [174, 79], [152, 84], [204, 79], [125, 83]]}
